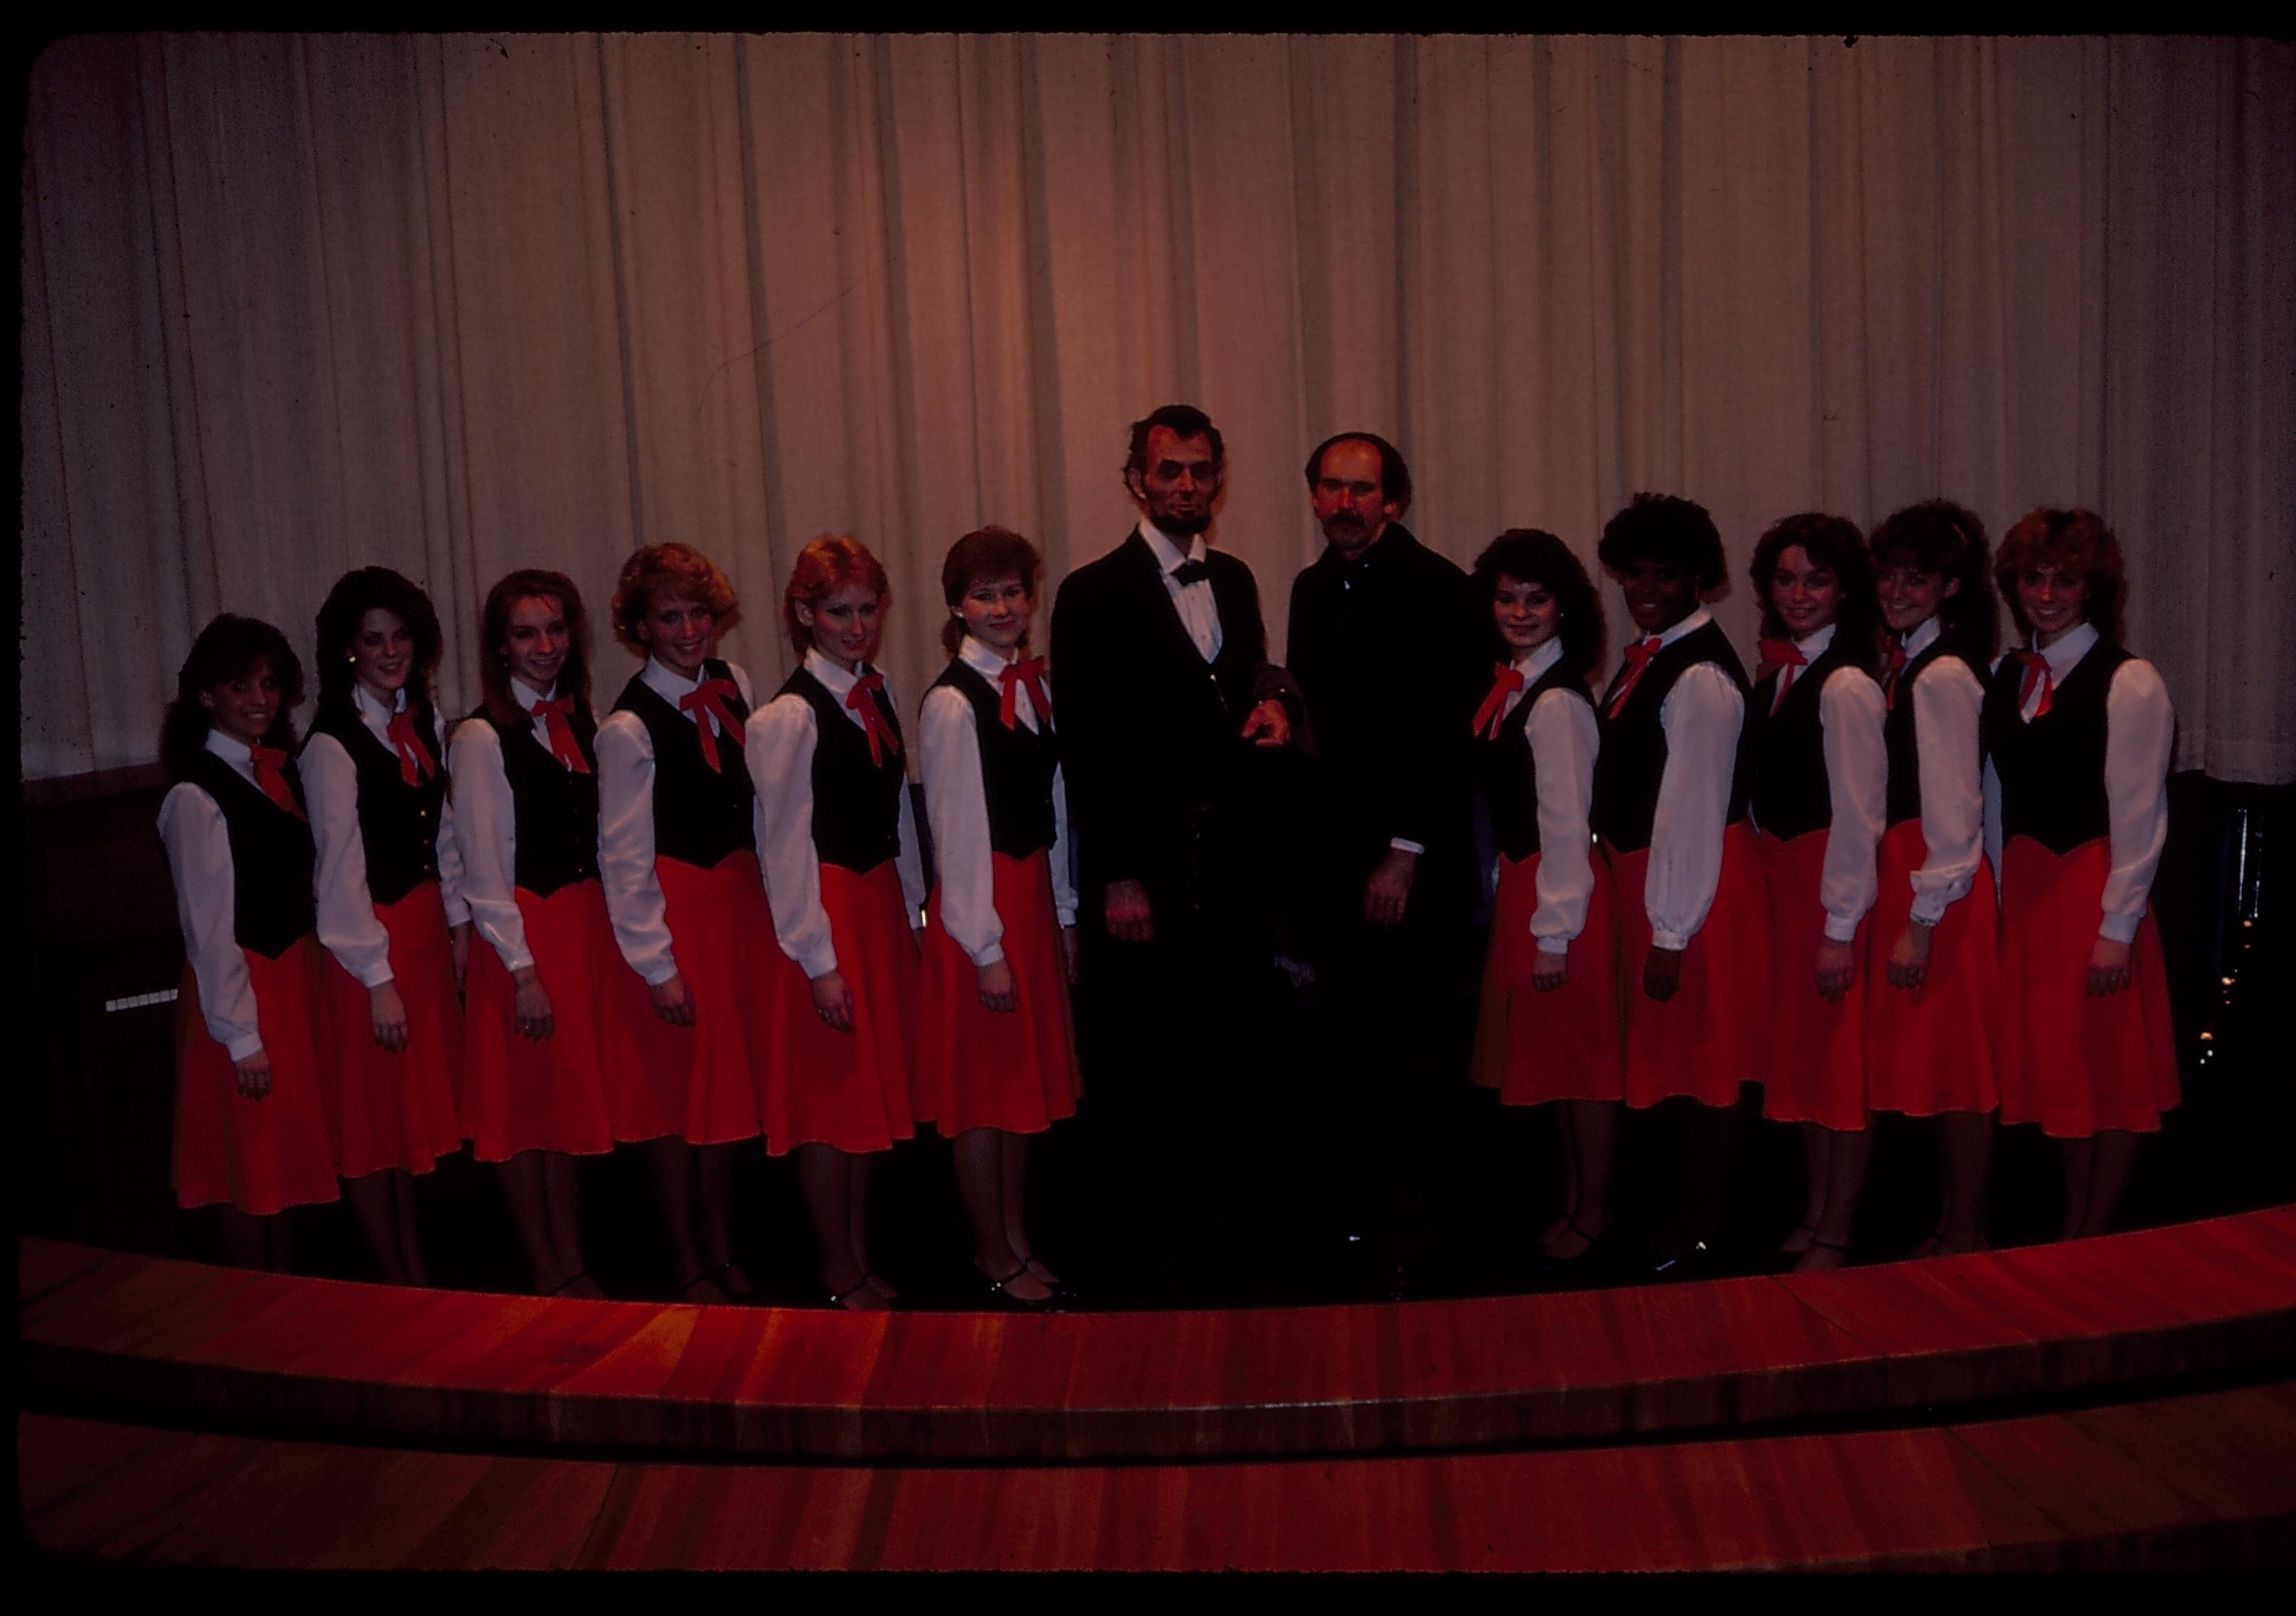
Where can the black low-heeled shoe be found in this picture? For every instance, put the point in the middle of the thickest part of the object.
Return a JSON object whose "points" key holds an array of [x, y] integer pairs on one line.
{"points": [[999, 1296], [1588, 1262], [836, 1297]]}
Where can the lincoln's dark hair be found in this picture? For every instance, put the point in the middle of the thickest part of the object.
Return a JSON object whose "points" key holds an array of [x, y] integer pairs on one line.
{"points": [[1181, 419], [981, 554], [1665, 529], [228, 649], [1394, 476], [530, 584], [2079, 542], [1940, 537], [1835, 543], [1531, 557], [355, 594]]}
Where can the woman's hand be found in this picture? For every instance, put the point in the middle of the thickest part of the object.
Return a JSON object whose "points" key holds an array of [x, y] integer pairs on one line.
{"points": [[1837, 968], [1909, 961], [459, 939], [1130, 919], [1268, 725], [1549, 972], [996, 990], [254, 1074], [2108, 968], [388, 1011], [530, 1009], [1068, 950], [1662, 974], [832, 1000], [673, 1000]]}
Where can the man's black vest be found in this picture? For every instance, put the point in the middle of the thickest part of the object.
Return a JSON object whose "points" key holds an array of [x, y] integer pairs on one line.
{"points": [[554, 810], [1510, 768], [2052, 770], [1016, 765], [1628, 769], [857, 804], [272, 858], [1898, 731], [398, 823], [701, 814]]}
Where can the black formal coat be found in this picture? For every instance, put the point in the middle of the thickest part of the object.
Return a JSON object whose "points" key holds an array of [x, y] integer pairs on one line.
{"points": [[1155, 764]]}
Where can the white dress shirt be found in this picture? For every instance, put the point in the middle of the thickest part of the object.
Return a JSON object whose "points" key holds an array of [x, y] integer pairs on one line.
{"points": [[2140, 728], [1948, 697], [1701, 715], [1850, 712], [347, 924], [486, 828], [1199, 612], [625, 840], [198, 856], [778, 747], [1563, 737], [948, 753]]}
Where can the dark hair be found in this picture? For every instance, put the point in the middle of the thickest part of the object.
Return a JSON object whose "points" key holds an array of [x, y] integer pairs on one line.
{"points": [[1394, 476], [529, 584], [1530, 555], [985, 552], [1835, 543], [823, 567], [678, 570], [1183, 420], [355, 594], [2077, 541], [1940, 537], [228, 648], [1669, 530]]}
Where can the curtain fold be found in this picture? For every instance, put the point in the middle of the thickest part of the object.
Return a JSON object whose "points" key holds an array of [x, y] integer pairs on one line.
{"points": [[293, 303]]}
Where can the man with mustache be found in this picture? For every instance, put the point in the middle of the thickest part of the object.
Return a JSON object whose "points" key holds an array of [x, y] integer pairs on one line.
{"points": [[1383, 642]]}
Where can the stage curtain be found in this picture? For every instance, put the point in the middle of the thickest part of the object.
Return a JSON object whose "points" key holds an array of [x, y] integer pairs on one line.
{"points": [[297, 302]]}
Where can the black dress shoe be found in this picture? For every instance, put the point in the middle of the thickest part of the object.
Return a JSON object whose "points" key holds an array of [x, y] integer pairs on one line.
{"points": [[1696, 1260]]}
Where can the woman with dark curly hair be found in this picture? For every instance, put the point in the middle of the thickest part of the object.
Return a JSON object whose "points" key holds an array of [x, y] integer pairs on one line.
{"points": [[1929, 1035], [250, 1125], [391, 913], [1546, 1031], [1818, 788], [2078, 734], [678, 852]]}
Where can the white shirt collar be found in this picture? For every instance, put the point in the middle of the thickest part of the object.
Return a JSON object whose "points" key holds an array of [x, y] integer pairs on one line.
{"points": [[525, 694], [1167, 550], [1815, 646], [983, 659], [839, 682], [231, 752], [669, 686], [1923, 637], [1533, 664], [373, 712], [1696, 621], [2068, 651]]}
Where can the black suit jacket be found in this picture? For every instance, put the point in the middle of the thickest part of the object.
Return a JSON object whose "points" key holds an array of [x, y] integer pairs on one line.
{"points": [[1150, 748]]}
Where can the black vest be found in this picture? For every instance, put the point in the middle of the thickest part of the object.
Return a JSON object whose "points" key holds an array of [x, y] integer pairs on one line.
{"points": [[1782, 755], [1510, 768], [1898, 733], [1632, 762], [701, 814], [272, 858], [2052, 770], [857, 804], [1016, 765], [554, 811], [398, 823]]}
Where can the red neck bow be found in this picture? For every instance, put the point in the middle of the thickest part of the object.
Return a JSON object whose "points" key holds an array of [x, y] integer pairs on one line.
{"points": [[1893, 663], [706, 701], [862, 698], [557, 719], [2036, 676], [1505, 682], [415, 763], [1009, 679], [1638, 660], [271, 775], [1780, 657]]}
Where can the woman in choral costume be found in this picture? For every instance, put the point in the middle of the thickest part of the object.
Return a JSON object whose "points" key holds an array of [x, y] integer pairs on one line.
{"points": [[846, 883], [250, 1128], [2078, 734], [391, 911], [1547, 1026], [996, 1044]]}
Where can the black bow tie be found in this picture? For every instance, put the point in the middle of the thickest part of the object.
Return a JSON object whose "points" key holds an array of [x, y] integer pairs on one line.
{"points": [[1190, 572]]}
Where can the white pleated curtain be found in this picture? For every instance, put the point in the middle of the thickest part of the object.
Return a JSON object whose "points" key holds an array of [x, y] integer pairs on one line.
{"points": [[297, 303]]}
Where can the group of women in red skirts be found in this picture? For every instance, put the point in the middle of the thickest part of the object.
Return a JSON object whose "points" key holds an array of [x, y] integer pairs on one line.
{"points": [[1889, 872], [683, 927]]}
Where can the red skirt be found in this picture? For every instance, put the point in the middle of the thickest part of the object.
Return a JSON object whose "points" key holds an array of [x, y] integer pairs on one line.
{"points": [[849, 1089], [519, 1095], [1706, 1040], [1814, 1061], [261, 1155], [979, 1068], [2073, 1063], [398, 1108], [1929, 1049], [1534, 1046], [702, 1082]]}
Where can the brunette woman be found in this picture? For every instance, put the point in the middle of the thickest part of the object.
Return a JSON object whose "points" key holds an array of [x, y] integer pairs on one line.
{"points": [[846, 888], [1929, 1043], [388, 881], [1547, 1028], [251, 1125], [997, 1046], [2078, 734], [678, 854]]}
